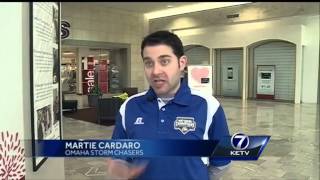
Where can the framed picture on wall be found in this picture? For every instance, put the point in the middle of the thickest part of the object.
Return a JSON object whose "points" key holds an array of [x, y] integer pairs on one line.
{"points": [[200, 78], [44, 75]]}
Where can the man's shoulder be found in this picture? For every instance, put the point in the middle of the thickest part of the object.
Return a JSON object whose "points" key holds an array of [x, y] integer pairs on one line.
{"points": [[134, 98]]}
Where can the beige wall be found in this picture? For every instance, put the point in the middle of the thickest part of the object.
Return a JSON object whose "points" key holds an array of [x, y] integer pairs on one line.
{"points": [[95, 23], [15, 94], [310, 64], [300, 30]]}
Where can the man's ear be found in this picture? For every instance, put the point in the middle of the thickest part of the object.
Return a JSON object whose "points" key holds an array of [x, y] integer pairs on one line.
{"points": [[183, 61]]}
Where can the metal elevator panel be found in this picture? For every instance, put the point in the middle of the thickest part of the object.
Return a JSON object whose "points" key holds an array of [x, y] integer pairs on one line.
{"points": [[231, 72]]}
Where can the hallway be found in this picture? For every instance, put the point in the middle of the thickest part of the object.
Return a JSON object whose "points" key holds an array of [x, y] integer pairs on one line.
{"points": [[292, 152]]}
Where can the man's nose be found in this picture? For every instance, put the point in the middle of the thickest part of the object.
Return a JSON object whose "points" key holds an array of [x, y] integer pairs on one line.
{"points": [[156, 69]]}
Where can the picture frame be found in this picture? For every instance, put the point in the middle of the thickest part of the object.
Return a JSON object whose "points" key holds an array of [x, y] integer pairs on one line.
{"points": [[45, 85]]}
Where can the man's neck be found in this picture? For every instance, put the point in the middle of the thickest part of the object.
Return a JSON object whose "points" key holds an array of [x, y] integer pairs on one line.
{"points": [[170, 94], [167, 97]]}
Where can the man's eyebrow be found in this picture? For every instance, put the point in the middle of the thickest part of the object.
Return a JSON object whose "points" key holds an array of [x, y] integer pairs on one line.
{"points": [[164, 56], [160, 57], [146, 58]]}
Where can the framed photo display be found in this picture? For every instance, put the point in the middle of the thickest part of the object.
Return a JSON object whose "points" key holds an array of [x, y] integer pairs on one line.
{"points": [[45, 75]]}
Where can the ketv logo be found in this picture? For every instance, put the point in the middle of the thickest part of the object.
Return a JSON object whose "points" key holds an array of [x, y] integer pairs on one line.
{"points": [[239, 142], [240, 147]]}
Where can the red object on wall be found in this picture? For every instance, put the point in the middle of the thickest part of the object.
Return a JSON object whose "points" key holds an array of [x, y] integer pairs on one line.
{"points": [[12, 156], [103, 75], [103, 65], [104, 87], [90, 63]]}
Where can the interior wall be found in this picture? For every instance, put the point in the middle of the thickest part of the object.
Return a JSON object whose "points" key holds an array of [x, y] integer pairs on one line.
{"points": [[15, 98], [94, 23], [197, 54], [310, 78], [254, 11], [244, 34], [303, 30]]}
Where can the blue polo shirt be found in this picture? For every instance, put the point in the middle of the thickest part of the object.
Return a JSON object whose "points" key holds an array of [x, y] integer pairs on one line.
{"points": [[191, 114]]}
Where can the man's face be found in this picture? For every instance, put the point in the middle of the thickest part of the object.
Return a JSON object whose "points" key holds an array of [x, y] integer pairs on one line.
{"points": [[163, 69]]}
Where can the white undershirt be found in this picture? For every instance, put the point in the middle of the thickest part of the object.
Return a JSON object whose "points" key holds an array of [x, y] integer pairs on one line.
{"points": [[163, 101], [166, 99]]}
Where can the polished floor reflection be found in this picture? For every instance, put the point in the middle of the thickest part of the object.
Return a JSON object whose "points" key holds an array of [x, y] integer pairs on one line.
{"points": [[292, 152]]}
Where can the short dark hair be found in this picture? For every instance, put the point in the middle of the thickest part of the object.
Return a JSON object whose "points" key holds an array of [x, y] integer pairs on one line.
{"points": [[166, 38]]}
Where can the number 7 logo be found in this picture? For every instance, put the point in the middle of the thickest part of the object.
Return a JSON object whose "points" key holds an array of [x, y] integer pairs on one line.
{"points": [[239, 141]]}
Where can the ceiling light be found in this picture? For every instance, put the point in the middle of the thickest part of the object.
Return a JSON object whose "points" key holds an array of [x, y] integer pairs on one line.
{"points": [[169, 6], [68, 53]]}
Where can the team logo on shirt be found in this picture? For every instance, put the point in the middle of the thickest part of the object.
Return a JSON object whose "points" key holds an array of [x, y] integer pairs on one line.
{"points": [[185, 124]]}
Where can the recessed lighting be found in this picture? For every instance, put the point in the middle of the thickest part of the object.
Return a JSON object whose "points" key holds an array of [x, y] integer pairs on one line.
{"points": [[68, 53], [169, 6]]}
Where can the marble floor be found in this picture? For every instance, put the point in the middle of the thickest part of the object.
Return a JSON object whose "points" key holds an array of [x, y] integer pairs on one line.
{"points": [[292, 152]]}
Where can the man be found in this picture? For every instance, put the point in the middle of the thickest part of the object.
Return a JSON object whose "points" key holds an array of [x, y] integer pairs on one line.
{"points": [[159, 112]]}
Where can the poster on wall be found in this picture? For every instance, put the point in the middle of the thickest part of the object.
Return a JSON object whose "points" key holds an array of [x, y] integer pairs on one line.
{"points": [[200, 78], [45, 74]]}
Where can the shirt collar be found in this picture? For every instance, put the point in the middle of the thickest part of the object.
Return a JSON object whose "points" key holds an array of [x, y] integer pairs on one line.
{"points": [[182, 96]]}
